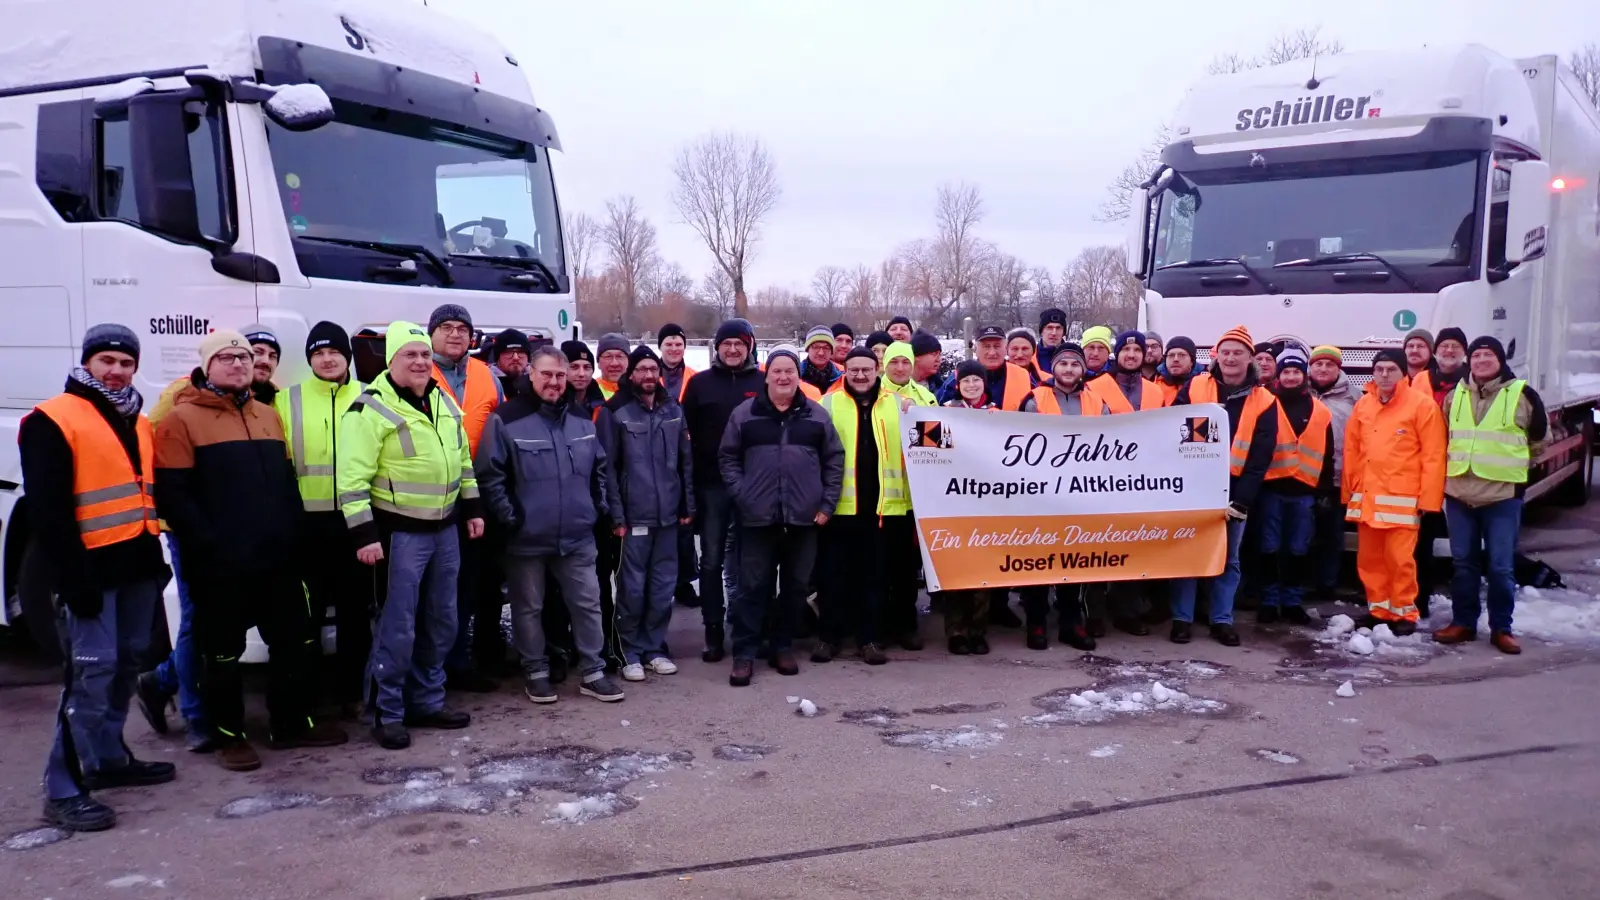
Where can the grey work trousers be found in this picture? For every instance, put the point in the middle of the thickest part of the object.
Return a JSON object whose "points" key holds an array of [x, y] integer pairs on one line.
{"points": [[580, 588], [649, 577]]}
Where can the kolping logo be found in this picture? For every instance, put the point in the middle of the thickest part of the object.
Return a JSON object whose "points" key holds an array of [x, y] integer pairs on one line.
{"points": [[1307, 110], [931, 436], [1197, 430]]}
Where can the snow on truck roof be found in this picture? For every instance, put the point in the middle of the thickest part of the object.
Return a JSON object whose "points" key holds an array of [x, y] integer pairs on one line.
{"points": [[97, 39]]}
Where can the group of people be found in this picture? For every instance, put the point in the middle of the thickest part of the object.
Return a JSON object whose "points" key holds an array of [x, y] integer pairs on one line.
{"points": [[572, 484]]}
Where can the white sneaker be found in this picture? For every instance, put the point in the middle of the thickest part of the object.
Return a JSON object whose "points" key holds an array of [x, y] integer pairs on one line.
{"points": [[663, 666], [633, 672]]}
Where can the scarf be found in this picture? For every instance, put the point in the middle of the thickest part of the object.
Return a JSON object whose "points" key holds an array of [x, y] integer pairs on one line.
{"points": [[240, 398], [127, 401]]}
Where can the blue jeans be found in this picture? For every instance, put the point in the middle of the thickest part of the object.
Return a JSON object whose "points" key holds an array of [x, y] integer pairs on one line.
{"points": [[1223, 586], [180, 673], [1286, 526], [649, 578], [1492, 531], [103, 657], [417, 625], [719, 553]]}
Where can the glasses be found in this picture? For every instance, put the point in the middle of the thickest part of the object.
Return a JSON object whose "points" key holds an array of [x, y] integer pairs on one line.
{"points": [[234, 359], [454, 329]]}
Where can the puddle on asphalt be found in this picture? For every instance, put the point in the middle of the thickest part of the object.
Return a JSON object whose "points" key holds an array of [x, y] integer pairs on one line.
{"points": [[872, 718], [742, 752], [35, 838]]}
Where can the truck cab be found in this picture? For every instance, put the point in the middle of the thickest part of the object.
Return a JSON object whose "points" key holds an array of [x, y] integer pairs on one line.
{"points": [[185, 165]]}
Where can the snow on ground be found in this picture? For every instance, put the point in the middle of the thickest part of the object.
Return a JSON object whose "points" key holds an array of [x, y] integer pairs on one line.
{"points": [[35, 838], [1106, 751], [943, 740], [1091, 706], [1268, 754], [1557, 615], [1379, 644], [588, 809]]}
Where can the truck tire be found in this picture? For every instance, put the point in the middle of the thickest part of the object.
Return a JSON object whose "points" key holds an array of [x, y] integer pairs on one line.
{"points": [[38, 604], [1575, 491]]}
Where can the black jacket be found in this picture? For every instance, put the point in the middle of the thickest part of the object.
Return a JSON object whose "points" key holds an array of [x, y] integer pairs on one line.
{"points": [[708, 402], [1244, 487], [1297, 408], [47, 473]]}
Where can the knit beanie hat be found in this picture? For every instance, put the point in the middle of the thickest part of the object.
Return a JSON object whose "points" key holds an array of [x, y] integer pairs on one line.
{"points": [[1052, 316], [328, 334], [109, 336], [734, 329], [671, 329], [1423, 333], [897, 350], [1185, 344], [820, 333], [448, 312], [1488, 343], [1152, 336], [1023, 333], [1390, 354], [783, 353], [840, 329], [1238, 334], [258, 333], [866, 353], [640, 354], [1292, 358], [1328, 351], [575, 351], [612, 341], [510, 339], [1131, 336], [923, 342], [879, 337], [218, 341], [1066, 351], [1451, 334], [970, 367], [899, 320], [1099, 334], [398, 336]]}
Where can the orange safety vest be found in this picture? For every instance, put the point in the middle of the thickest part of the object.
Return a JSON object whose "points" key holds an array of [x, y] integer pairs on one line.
{"points": [[114, 503], [683, 385], [1203, 389], [479, 402], [1169, 392], [1301, 457], [1044, 396], [810, 390], [1018, 387], [1108, 390]]}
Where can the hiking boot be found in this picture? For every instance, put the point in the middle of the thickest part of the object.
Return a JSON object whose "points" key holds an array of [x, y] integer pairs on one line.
{"points": [[153, 702], [391, 736], [873, 655], [743, 671], [538, 689], [1225, 635], [237, 756], [958, 645], [136, 773], [444, 719], [784, 662], [1182, 632], [1295, 615], [911, 640], [1077, 636], [1135, 627], [322, 734], [80, 813], [1455, 634], [716, 648], [472, 681], [824, 651], [1037, 639], [601, 689], [979, 645], [1000, 614], [1403, 627], [1267, 615], [687, 597], [1096, 627], [1504, 642]]}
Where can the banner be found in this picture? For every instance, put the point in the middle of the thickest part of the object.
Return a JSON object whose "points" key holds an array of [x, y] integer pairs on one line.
{"points": [[1010, 498]]}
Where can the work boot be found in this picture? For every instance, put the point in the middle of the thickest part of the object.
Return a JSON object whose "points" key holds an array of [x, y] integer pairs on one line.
{"points": [[1077, 636], [1403, 627], [716, 648], [743, 671], [687, 597], [237, 756], [79, 813], [1182, 632], [136, 773], [538, 689], [1225, 635], [873, 655], [1000, 613], [1504, 642], [153, 701], [602, 689], [1295, 615], [391, 736], [443, 719], [979, 645], [958, 645], [321, 734], [1267, 615], [471, 681], [1455, 634], [1135, 627], [911, 640], [784, 662], [824, 651], [1037, 639]]}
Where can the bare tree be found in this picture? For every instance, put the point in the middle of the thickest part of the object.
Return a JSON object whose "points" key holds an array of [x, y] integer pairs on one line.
{"points": [[1134, 174], [663, 282], [581, 233], [1585, 63], [716, 291], [830, 287], [630, 240], [861, 295], [1096, 288], [727, 185], [891, 292]]}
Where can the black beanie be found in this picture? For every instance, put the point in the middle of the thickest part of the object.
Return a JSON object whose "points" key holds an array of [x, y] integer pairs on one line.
{"points": [[1487, 343], [639, 354], [1450, 334], [671, 329], [510, 339], [970, 367], [923, 342], [1185, 344], [328, 334], [577, 350], [840, 328], [1390, 354], [880, 337], [734, 329], [898, 320], [109, 336], [861, 353], [1052, 316]]}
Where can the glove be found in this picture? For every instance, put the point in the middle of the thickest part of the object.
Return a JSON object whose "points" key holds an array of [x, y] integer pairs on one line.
{"points": [[84, 604], [1238, 512]]}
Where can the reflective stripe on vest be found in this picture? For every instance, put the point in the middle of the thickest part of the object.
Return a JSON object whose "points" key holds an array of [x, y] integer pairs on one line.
{"points": [[315, 438], [1044, 397], [893, 499], [480, 400], [1494, 449], [397, 488], [113, 503], [1203, 389], [1110, 392], [1301, 457], [1387, 509]]}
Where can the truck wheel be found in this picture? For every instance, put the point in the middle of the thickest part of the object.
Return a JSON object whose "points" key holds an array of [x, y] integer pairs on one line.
{"points": [[1575, 492], [38, 603]]}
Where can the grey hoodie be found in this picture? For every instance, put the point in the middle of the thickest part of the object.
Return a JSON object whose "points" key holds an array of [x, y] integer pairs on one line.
{"points": [[1340, 401], [782, 468]]}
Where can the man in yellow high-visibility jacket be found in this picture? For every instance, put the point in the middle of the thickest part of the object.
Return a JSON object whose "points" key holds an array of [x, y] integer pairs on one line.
{"points": [[405, 476]]}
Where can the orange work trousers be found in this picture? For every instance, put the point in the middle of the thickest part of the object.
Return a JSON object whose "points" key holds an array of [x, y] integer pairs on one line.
{"points": [[1388, 570]]}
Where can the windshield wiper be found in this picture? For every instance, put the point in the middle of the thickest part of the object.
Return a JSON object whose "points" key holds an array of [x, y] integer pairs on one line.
{"points": [[1223, 261], [1343, 258], [415, 252], [526, 263]]}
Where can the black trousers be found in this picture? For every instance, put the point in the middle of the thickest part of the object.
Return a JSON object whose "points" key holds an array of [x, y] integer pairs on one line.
{"points": [[853, 580], [335, 578], [902, 559], [1070, 600], [225, 607], [763, 597], [608, 549]]}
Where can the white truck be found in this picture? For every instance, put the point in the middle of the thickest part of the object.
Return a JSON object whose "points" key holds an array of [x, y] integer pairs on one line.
{"points": [[166, 166], [1349, 199]]}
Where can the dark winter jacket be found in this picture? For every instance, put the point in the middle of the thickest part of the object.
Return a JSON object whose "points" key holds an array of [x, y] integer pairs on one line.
{"points": [[225, 484], [708, 403], [1297, 408], [48, 478], [542, 474], [650, 461], [781, 468], [822, 378], [1244, 487]]}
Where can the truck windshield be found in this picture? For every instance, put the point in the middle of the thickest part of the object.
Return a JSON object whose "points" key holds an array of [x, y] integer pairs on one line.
{"points": [[379, 176], [1418, 212]]}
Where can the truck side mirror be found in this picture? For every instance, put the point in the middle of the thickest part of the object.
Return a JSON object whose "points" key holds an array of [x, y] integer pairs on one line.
{"points": [[163, 180], [1527, 211], [1138, 229]]}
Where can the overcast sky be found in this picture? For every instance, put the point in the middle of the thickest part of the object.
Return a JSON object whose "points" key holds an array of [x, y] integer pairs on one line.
{"points": [[868, 105]]}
